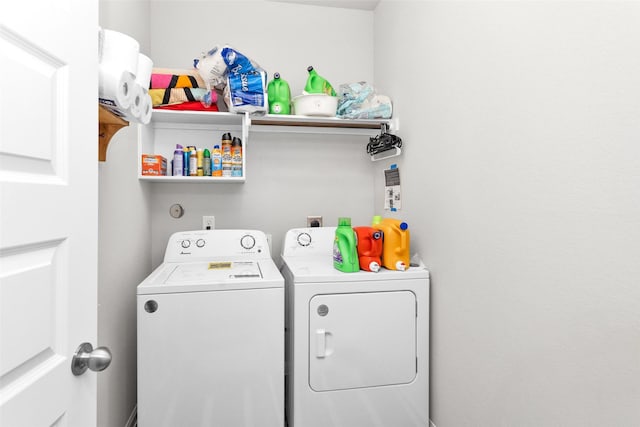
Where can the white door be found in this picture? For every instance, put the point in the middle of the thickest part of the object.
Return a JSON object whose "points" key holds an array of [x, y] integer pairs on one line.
{"points": [[362, 340], [48, 210]]}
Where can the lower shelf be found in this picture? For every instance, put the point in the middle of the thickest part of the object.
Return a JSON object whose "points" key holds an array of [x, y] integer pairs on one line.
{"points": [[194, 179]]}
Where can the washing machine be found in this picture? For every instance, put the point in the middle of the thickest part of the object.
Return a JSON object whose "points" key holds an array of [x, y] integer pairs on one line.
{"points": [[357, 344], [211, 333]]}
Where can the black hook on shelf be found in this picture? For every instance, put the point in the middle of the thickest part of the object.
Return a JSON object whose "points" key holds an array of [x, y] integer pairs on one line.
{"points": [[383, 142]]}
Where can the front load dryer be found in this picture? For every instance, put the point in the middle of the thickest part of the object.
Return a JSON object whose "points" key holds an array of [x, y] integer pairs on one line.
{"points": [[357, 344], [211, 333]]}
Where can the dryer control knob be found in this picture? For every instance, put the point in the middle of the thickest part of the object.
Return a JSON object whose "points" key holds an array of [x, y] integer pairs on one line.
{"points": [[247, 241], [200, 243], [185, 244], [304, 239]]}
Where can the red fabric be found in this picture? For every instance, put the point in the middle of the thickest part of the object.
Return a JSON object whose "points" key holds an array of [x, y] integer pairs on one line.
{"points": [[190, 105]]}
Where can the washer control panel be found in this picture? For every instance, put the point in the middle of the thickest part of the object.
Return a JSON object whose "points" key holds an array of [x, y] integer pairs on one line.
{"points": [[207, 244]]}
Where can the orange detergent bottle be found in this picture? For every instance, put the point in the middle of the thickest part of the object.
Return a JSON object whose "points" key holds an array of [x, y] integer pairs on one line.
{"points": [[369, 248], [395, 247]]}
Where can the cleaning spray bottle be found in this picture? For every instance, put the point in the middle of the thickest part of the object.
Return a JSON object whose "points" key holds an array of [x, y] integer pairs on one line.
{"points": [[345, 250], [317, 84], [279, 95]]}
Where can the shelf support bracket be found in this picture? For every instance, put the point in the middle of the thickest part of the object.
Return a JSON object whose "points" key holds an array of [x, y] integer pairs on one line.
{"points": [[108, 125]]}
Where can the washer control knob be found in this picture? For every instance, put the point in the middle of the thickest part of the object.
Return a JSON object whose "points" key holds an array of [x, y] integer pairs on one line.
{"points": [[247, 241], [185, 244], [304, 239], [200, 243]]}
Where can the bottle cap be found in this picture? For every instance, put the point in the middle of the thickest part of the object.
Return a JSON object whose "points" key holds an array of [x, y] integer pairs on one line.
{"points": [[377, 219], [276, 75], [400, 266], [310, 68], [374, 266], [404, 226], [207, 153], [237, 141], [344, 221]]}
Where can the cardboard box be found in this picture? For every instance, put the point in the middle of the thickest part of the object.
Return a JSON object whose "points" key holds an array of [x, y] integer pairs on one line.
{"points": [[154, 165]]}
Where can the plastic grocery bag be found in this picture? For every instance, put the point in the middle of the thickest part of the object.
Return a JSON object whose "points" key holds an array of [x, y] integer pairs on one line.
{"points": [[360, 101]]}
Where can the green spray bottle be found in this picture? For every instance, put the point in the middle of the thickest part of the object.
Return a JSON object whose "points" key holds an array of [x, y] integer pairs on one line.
{"points": [[318, 84], [279, 96], [345, 247]]}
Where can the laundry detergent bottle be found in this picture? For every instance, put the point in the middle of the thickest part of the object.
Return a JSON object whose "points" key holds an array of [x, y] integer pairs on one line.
{"points": [[317, 83], [369, 248], [279, 95], [345, 249], [396, 240]]}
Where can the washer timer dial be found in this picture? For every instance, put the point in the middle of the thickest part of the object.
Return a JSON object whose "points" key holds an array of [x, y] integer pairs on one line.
{"points": [[247, 241]]}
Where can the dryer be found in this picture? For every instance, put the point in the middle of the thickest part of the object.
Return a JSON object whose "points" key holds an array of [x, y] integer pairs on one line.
{"points": [[357, 344], [211, 333]]}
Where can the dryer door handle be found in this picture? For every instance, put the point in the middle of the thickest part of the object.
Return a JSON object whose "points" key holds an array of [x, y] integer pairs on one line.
{"points": [[321, 343]]}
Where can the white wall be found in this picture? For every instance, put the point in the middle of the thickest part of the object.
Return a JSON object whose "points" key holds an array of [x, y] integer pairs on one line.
{"points": [[124, 249], [521, 182], [288, 176]]}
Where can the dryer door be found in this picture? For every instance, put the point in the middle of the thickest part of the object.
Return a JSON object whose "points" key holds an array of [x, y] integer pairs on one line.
{"points": [[362, 340]]}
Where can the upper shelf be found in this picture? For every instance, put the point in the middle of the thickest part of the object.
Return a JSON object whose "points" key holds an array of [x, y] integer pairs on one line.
{"points": [[269, 122]]}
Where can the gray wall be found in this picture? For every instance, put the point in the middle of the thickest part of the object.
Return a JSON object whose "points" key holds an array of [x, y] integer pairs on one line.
{"points": [[124, 255], [521, 181]]}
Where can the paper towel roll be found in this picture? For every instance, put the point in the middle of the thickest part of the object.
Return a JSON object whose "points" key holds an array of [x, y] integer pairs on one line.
{"points": [[119, 51], [100, 43], [137, 99], [115, 87], [146, 110], [143, 75]]}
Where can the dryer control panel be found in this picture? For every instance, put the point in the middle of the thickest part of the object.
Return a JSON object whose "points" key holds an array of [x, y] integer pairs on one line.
{"points": [[311, 241], [200, 245]]}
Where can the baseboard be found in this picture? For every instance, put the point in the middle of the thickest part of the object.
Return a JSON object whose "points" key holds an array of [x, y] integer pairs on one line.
{"points": [[133, 418], [431, 424]]}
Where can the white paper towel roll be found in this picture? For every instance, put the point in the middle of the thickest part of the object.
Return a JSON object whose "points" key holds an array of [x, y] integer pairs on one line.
{"points": [[146, 110], [120, 51], [115, 87], [100, 43], [137, 99], [143, 75]]}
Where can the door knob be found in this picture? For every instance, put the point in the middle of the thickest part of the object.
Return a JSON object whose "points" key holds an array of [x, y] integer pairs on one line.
{"points": [[86, 357]]}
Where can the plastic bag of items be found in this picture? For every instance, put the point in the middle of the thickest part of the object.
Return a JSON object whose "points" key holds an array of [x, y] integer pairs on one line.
{"points": [[360, 101], [243, 81]]}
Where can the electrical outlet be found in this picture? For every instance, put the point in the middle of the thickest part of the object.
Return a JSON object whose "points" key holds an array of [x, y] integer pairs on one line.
{"points": [[208, 222], [314, 221]]}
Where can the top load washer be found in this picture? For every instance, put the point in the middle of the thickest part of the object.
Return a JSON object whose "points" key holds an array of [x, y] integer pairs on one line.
{"points": [[211, 333], [357, 344]]}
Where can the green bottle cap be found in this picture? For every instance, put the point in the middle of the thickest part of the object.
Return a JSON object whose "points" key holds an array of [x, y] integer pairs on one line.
{"points": [[344, 221]]}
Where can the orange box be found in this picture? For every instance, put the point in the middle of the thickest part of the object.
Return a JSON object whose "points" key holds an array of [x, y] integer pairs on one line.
{"points": [[154, 165]]}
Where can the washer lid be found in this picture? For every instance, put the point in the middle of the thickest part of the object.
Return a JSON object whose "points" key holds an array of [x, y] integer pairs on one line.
{"points": [[315, 269], [214, 275]]}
